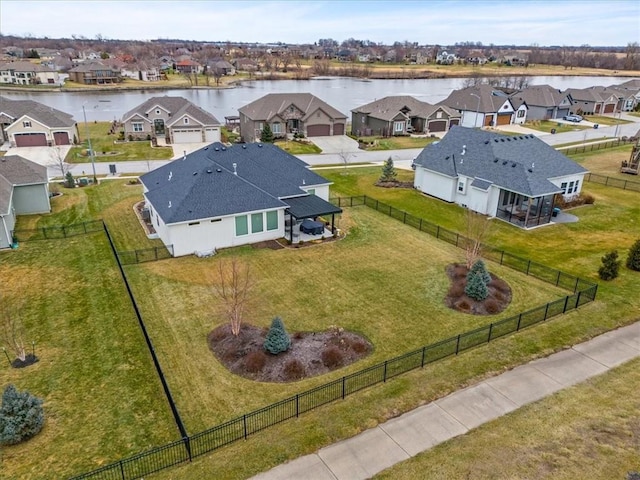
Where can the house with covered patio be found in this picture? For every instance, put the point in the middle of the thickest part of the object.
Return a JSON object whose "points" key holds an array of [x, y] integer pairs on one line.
{"points": [[513, 178], [219, 197]]}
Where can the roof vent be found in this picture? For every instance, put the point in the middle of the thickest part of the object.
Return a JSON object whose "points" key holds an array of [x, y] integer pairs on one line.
{"points": [[508, 139], [495, 160], [195, 173], [169, 203], [530, 170], [486, 142], [235, 168], [217, 149], [513, 165], [244, 147], [219, 170], [170, 176], [505, 162], [502, 139], [259, 145], [495, 140], [184, 153], [206, 148], [208, 170], [447, 157], [223, 149]]}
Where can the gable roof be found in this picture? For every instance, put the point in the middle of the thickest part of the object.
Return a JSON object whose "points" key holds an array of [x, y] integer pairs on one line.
{"points": [[24, 66], [37, 111], [539, 96], [94, 67], [217, 181], [16, 171], [176, 106], [265, 108], [522, 163], [387, 108], [482, 98]]}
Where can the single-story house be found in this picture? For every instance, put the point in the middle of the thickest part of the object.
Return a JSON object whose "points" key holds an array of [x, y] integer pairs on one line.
{"points": [[543, 102], [514, 178], [484, 106], [27, 123], [174, 118], [27, 73], [24, 189], [594, 100], [400, 115], [289, 113], [219, 197]]}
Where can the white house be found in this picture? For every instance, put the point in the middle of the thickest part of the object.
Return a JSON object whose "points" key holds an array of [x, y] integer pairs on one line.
{"points": [[514, 178], [483, 106], [219, 197]]}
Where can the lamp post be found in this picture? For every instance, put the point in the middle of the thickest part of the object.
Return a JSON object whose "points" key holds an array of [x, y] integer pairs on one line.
{"points": [[93, 160], [621, 99], [477, 110]]}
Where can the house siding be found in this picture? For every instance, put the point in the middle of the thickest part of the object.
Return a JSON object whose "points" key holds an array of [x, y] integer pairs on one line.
{"points": [[439, 186], [7, 224], [29, 199], [37, 127]]}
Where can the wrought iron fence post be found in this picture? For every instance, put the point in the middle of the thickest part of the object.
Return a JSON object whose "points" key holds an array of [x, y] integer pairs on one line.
{"points": [[187, 445], [384, 377], [490, 330], [566, 301], [458, 345], [297, 405], [519, 320], [546, 311], [244, 424], [424, 349], [344, 380], [122, 470]]}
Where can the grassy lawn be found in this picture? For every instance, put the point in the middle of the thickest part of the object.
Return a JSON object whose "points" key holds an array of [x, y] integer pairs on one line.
{"points": [[587, 431], [605, 120], [297, 148], [103, 399], [397, 143], [103, 143], [547, 125], [606, 162]]}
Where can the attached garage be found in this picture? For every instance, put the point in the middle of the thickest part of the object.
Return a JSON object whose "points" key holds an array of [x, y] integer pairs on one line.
{"points": [[212, 135], [338, 128], [454, 121], [187, 136], [318, 130], [438, 126], [609, 108], [562, 112], [504, 119], [31, 140], [61, 138], [488, 120]]}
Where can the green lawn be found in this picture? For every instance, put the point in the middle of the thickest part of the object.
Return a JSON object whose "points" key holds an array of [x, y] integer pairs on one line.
{"points": [[396, 143], [298, 148], [548, 125], [106, 150], [605, 120], [606, 162]]}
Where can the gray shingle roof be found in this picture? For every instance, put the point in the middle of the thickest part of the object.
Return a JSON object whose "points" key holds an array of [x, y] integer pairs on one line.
{"points": [[203, 184], [24, 67], [539, 96], [37, 111], [265, 108], [490, 101], [177, 106], [15, 171], [522, 164]]}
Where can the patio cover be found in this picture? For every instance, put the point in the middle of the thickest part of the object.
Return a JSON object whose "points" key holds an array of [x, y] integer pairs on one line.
{"points": [[310, 206]]}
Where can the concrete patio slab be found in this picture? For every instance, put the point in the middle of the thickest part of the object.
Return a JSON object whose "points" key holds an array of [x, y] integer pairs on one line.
{"points": [[423, 428], [524, 385], [362, 456], [309, 467], [569, 367], [608, 350], [476, 405]]}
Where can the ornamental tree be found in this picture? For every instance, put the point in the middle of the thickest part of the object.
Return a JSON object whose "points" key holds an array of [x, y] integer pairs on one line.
{"points": [[21, 416], [277, 339], [266, 135], [480, 268], [610, 266], [476, 288], [633, 259], [389, 173]]}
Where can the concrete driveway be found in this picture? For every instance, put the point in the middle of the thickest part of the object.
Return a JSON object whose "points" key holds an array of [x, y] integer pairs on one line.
{"points": [[46, 156], [336, 144], [179, 149]]}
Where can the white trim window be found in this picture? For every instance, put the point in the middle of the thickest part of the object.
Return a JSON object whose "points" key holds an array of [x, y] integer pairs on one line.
{"points": [[398, 127], [137, 127], [186, 121], [26, 124], [276, 128]]}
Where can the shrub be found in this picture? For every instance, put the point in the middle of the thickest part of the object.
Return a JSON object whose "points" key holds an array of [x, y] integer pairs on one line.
{"points": [[456, 290], [463, 305], [479, 268], [21, 416], [293, 370], [476, 288], [255, 361], [492, 306], [277, 339], [633, 259], [332, 357], [266, 135], [69, 180], [610, 266], [358, 346], [588, 199], [389, 173]]}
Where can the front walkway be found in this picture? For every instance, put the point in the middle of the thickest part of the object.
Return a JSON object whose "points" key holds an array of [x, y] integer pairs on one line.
{"points": [[406, 436]]}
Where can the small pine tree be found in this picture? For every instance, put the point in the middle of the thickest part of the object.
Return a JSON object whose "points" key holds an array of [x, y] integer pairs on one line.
{"points": [[481, 269], [21, 416], [389, 173], [277, 339], [476, 288], [70, 182], [266, 135], [610, 266], [633, 259]]}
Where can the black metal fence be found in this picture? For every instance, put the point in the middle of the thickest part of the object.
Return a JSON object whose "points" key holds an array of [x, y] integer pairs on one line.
{"points": [[590, 147], [613, 182], [131, 257], [242, 427], [58, 231]]}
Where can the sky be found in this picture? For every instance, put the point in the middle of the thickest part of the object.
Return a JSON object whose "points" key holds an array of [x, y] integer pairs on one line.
{"points": [[430, 22]]}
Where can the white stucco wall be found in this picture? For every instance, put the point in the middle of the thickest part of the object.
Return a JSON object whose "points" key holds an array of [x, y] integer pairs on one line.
{"points": [[568, 179]]}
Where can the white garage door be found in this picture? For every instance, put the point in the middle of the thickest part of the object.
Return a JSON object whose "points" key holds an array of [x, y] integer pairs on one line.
{"points": [[187, 136], [212, 135]]}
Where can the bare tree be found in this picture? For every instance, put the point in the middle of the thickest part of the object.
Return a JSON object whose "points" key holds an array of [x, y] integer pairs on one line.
{"points": [[59, 159], [477, 228], [345, 156], [233, 287], [11, 330]]}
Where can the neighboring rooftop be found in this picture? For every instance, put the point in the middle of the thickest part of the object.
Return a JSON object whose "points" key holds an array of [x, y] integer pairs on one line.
{"points": [[265, 108]]}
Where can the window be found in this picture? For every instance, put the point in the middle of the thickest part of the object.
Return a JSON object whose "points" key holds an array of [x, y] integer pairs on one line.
{"points": [[242, 227], [158, 112], [461, 186], [26, 124], [563, 187], [186, 121], [571, 188], [398, 126], [137, 127], [311, 191], [275, 128], [575, 188], [272, 220], [520, 113], [439, 115], [257, 224], [260, 126]]}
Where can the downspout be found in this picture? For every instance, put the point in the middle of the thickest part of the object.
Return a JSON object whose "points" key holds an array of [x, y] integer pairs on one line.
{"points": [[4, 225]]}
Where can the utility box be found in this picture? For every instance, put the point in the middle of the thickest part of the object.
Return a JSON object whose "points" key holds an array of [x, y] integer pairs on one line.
{"points": [[83, 181], [112, 168]]}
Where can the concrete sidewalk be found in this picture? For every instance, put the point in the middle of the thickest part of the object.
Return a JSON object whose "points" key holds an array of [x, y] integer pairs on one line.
{"points": [[403, 437]]}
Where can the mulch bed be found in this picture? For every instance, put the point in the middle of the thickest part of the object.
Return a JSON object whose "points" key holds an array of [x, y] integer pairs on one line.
{"points": [[394, 184], [499, 293], [310, 353]]}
